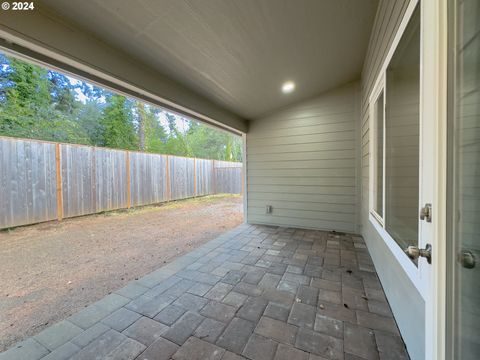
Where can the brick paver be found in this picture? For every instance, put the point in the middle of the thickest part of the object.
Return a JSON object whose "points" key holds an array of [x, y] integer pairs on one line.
{"points": [[145, 330], [236, 335], [260, 348], [257, 292], [196, 349], [209, 330]]}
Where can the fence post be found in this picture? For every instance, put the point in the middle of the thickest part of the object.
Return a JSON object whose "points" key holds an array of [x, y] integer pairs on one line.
{"points": [[194, 177], [167, 176], [242, 180], [129, 191], [94, 180], [58, 169], [214, 180]]}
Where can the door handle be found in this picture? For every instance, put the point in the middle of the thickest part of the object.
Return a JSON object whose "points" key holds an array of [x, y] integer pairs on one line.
{"points": [[467, 259], [413, 252]]}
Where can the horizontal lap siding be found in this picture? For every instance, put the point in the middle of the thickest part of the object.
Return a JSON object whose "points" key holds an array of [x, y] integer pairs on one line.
{"points": [[407, 304], [302, 162]]}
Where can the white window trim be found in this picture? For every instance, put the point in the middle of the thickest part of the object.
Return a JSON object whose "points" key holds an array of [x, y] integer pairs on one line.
{"points": [[412, 271], [378, 89]]}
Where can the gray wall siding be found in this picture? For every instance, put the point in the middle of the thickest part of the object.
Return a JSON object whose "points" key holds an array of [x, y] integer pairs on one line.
{"points": [[406, 302], [302, 161]]}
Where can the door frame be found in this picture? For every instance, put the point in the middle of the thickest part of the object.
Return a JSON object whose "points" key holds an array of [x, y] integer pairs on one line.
{"points": [[430, 280], [434, 99]]}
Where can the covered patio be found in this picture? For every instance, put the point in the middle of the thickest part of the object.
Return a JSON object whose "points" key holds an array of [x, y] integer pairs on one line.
{"points": [[257, 292], [357, 117]]}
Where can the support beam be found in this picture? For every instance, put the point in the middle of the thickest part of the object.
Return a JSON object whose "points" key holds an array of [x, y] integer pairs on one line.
{"points": [[52, 40]]}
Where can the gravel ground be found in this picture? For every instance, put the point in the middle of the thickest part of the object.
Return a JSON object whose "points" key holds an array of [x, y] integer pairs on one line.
{"points": [[52, 270]]}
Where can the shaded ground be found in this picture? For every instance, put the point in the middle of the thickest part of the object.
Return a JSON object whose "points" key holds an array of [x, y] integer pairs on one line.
{"points": [[52, 270]]}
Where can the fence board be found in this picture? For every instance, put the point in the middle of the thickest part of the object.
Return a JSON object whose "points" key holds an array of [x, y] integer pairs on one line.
{"points": [[228, 177], [204, 177], [228, 180], [148, 178], [111, 179], [77, 180], [27, 182], [181, 177], [96, 179]]}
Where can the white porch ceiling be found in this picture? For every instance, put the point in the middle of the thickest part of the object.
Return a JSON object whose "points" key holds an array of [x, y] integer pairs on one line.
{"points": [[236, 52]]}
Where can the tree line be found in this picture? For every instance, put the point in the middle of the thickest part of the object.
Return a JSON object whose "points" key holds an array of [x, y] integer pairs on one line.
{"points": [[38, 103]]}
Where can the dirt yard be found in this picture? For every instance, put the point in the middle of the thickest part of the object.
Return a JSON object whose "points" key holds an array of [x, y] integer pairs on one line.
{"points": [[52, 270]]}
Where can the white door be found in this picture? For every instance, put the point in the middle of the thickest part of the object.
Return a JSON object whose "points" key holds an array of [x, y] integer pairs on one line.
{"points": [[407, 169], [408, 154]]}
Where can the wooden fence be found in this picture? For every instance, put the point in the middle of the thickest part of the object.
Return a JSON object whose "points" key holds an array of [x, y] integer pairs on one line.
{"points": [[42, 181]]}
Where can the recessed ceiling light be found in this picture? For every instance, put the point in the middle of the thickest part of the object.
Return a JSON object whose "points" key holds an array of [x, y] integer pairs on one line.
{"points": [[288, 87]]}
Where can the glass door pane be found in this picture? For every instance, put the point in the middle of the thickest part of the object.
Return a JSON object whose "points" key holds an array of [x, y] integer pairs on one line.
{"points": [[464, 169], [402, 141]]}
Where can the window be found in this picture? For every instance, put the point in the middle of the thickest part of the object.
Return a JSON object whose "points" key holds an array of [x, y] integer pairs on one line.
{"points": [[395, 124], [378, 120], [402, 139]]}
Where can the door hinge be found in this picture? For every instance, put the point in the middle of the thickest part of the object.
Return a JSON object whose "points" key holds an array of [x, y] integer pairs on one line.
{"points": [[426, 213]]}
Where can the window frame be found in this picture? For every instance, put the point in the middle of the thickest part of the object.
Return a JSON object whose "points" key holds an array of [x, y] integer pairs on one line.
{"points": [[378, 90], [413, 271]]}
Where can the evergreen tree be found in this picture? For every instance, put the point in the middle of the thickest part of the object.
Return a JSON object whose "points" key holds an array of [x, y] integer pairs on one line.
{"points": [[28, 109], [119, 131], [24, 92], [62, 93], [47, 105], [177, 143], [141, 113], [155, 135], [89, 118]]}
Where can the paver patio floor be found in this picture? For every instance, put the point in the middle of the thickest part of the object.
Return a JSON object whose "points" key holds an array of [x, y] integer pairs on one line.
{"points": [[256, 292]]}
